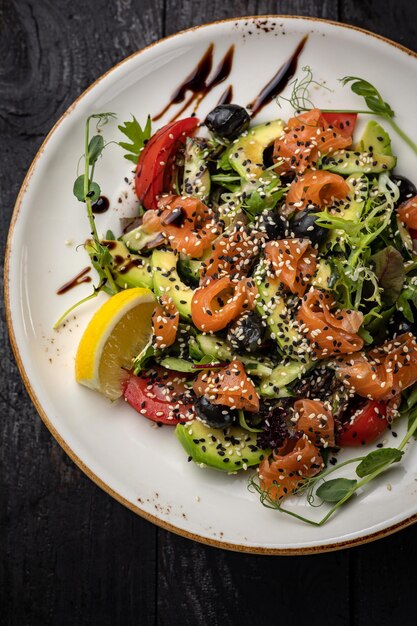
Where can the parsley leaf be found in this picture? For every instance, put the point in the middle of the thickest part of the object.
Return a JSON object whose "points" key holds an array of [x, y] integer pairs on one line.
{"points": [[138, 137]]}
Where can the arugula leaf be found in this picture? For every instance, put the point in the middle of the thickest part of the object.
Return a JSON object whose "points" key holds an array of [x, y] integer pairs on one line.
{"points": [[336, 489], [377, 459], [389, 269], [137, 135]]}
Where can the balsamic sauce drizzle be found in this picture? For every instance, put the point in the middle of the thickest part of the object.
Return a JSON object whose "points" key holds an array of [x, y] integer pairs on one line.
{"points": [[77, 280], [198, 82], [278, 82]]}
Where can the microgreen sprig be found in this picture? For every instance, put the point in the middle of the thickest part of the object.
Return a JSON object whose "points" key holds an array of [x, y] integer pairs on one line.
{"points": [[86, 190], [339, 490], [300, 100]]}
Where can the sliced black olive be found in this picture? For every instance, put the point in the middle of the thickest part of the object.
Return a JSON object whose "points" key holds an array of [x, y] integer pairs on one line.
{"points": [[214, 415], [406, 187], [228, 120], [274, 225], [246, 334], [304, 226]]}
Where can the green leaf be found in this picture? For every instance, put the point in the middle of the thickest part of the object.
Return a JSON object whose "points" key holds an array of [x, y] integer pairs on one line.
{"points": [[389, 269], [377, 459], [223, 163], [194, 350], [408, 295], [78, 190], [144, 358], [95, 148], [336, 489], [110, 235], [243, 423], [372, 96], [137, 135]]}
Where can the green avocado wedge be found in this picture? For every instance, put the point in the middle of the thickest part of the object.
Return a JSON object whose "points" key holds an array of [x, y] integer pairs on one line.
{"points": [[227, 450], [167, 281]]}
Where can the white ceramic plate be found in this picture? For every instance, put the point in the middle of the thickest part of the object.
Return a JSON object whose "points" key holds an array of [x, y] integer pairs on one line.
{"points": [[143, 467]]}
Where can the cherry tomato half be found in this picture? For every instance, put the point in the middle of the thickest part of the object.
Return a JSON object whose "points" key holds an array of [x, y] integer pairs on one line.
{"points": [[368, 423], [160, 396], [157, 157], [345, 122]]}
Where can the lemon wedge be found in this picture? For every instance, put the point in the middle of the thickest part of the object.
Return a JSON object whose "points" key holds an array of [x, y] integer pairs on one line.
{"points": [[116, 333]]}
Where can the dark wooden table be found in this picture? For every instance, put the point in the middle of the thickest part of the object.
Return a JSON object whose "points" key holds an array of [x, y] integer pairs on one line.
{"points": [[69, 554]]}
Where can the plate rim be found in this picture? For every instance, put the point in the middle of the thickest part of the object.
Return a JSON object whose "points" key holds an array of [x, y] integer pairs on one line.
{"points": [[331, 547]]}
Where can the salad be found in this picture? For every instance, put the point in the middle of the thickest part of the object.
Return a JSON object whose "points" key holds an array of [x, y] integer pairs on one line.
{"points": [[262, 300]]}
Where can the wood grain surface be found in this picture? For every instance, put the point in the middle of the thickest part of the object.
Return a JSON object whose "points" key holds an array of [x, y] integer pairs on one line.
{"points": [[69, 554]]}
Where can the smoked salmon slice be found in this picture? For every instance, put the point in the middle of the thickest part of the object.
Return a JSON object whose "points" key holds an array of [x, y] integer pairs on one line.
{"points": [[230, 386], [315, 421], [231, 254], [383, 372], [293, 262], [407, 212], [308, 137], [188, 225], [219, 301], [165, 320], [330, 330], [296, 459], [316, 189]]}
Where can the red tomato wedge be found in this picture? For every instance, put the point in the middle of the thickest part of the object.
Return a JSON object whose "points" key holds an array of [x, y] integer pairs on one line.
{"points": [[186, 223], [165, 320], [330, 331], [308, 136], [343, 122], [160, 396], [315, 421], [316, 188], [365, 425], [156, 155], [216, 303], [293, 262], [296, 459], [381, 373], [407, 212], [230, 386]]}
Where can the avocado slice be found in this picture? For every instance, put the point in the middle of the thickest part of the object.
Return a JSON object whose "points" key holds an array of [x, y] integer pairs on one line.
{"points": [[137, 239], [167, 281], [212, 345], [272, 307], [128, 270], [196, 174], [375, 139], [246, 153], [210, 446], [352, 209], [349, 162], [275, 386]]}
